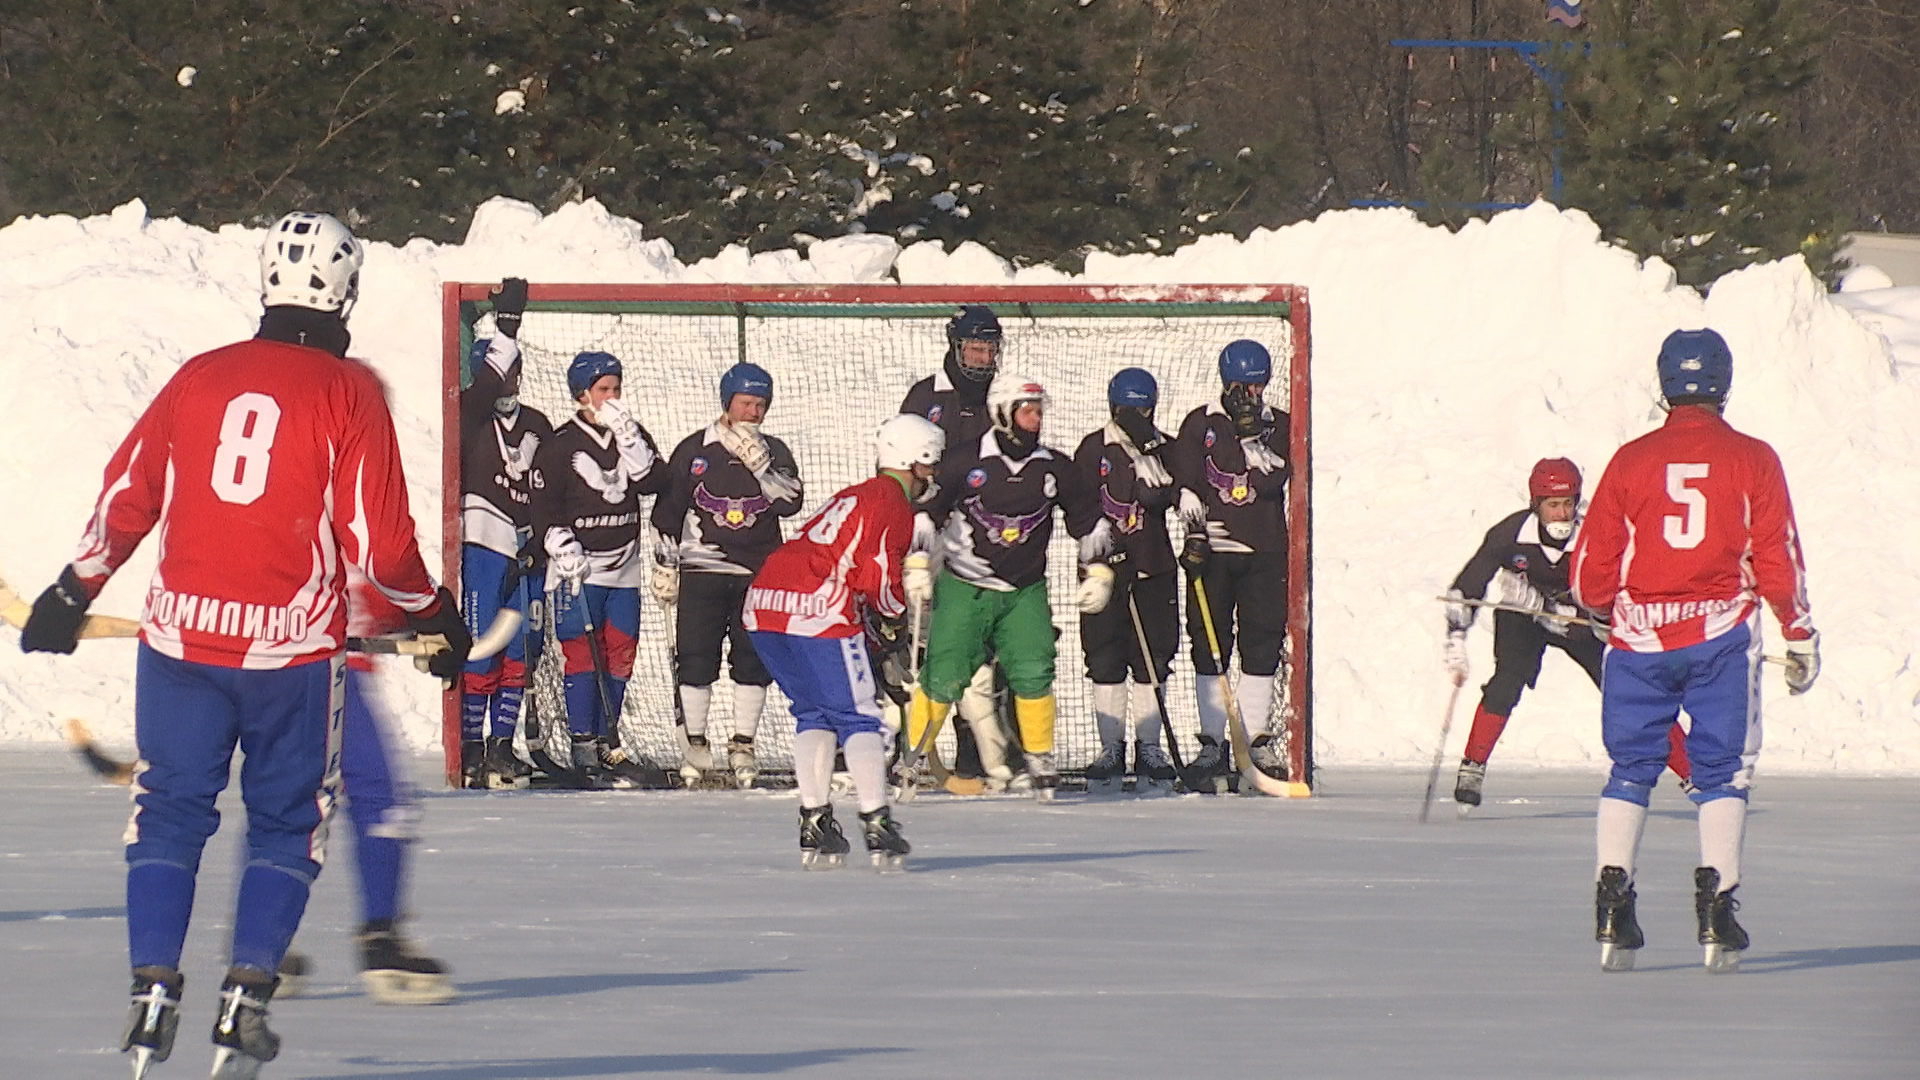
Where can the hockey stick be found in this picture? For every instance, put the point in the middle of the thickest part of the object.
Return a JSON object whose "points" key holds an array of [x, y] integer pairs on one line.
{"points": [[910, 757], [14, 612], [106, 768], [1439, 753], [1159, 690], [1236, 729], [1572, 619]]}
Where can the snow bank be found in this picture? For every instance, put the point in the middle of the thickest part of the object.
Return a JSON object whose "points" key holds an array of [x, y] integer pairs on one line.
{"points": [[1445, 363]]}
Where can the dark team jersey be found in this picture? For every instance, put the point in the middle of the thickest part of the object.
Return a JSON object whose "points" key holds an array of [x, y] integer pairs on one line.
{"points": [[1246, 505], [962, 415], [586, 488], [717, 510], [1135, 511], [995, 514], [496, 455], [1519, 546]]}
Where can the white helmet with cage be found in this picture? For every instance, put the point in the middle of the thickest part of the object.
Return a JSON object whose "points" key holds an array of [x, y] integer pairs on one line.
{"points": [[1010, 391], [906, 440], [311, 261]]}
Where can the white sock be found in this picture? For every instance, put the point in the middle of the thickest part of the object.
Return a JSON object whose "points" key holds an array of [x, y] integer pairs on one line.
{"points": [[1723, 829], [1255, 694], [694, 702], [1110, 713], [1146, 715], [1210, 694], [747, 703], [813, 766], [1617, 828], [867, 762]]}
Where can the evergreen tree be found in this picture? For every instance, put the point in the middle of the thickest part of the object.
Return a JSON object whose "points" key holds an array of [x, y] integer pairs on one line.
{"points": [[1674, 140]]}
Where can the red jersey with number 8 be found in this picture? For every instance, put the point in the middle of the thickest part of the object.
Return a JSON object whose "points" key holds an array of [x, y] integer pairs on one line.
{"points": [[266, 468], [1690, 528], [847, 555]]}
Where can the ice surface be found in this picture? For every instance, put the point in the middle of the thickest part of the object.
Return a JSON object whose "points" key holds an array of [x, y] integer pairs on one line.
{"points": [[628, 934]]}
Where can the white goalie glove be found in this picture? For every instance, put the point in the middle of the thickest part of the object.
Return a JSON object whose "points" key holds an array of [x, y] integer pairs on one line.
{"points": [[745, 442], [916, 577], [567, 560], [1456, 656], [1096, 588], [1803, 664]]}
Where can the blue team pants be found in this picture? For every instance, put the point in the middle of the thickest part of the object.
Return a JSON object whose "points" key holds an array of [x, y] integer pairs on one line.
{"points": [[380, 802], [1717, 682], [495, 685], [615, 614], [188, 718], [828, 680]]}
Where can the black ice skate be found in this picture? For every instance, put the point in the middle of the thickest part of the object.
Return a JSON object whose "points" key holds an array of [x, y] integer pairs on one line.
{"points": [[1723, 937], [1108, 772], [885, 846], [822, 845], [628, 771], [1207, 772], [473, 765], [394, 974], [1044, 773], [1152, 772], [1615, 927], [1466, 789], [741, 760], [503, 769], [242, 1042], [1268, 755], [153, 1018]]}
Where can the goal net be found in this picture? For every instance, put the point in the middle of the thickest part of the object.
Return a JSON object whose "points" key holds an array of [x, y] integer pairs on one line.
{"points": [[842, 359]]}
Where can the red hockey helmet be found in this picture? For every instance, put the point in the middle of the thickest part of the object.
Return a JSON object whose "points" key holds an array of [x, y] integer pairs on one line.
{"points": [[1553, 477]]}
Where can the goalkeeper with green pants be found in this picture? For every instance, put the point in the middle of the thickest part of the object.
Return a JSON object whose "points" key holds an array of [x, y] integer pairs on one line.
{"points": [[993, 512]]}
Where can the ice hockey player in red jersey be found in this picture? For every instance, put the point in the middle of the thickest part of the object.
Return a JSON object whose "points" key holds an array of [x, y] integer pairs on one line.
{"points": [[807, 610], [1690, 530], [267, 467], [1524, 559]]}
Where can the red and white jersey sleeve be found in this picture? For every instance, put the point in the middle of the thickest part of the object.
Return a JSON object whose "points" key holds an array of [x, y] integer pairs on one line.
{"points": [[847, 557], [264, 469], [1690, 528]]}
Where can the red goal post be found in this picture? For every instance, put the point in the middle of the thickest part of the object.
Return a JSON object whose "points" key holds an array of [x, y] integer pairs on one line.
{"points": [[846, 355]]}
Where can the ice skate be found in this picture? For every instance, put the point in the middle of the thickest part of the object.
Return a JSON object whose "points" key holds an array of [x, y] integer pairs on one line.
{"points": [[1268, 755], [1207, 772], [1723, 937], [1615, 927], [1153, 774], [242, 1042], [394, 974], [629, 771], [584, 771], [1108, 772], [154, 1017], [473, 765], [822, 845], [295, 967], [696, 759], [504, 771], [1044, 774], [741, 760], [885, 846], [1466, 789]]}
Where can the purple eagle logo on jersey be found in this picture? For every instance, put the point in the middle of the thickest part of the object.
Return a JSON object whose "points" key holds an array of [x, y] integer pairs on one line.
{"points": [[731, 513], [1233, 487], [1002, 529], [1128, 517]]}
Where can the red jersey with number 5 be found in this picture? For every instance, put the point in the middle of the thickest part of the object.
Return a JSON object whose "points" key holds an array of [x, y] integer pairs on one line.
{"points": [[1689, 529], [846, 556], [266, 468]]}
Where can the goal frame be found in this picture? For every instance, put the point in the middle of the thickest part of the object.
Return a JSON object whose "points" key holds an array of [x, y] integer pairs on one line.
{"points": [[463, 303]]}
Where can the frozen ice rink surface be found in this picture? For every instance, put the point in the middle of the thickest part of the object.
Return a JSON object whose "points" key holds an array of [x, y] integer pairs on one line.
{"points": [[630, 934]]}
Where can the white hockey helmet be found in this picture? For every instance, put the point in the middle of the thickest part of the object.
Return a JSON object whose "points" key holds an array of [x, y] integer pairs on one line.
{"points": [[310, 261], [1011, 390], [906, 440]]}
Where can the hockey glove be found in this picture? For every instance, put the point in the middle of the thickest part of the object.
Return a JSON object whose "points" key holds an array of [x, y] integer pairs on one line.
{"points": [[443, 618], [1456, 656], [1260, 456], [916, 577], [1095, 589], [509, 304], [57, 615], [571, 566], [1244, 408], [745, 442], [664, 582], [1459, 614], [1140, 430], [614, 414], [1516, 592], [1195, 554], [1553, 617], [1193, 512], [1602, 627], [1803, 663]]}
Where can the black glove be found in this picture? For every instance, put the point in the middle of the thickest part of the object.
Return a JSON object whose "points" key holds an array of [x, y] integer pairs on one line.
{"points": [[889, 636], [446, 622], [1139, 428], [1244, 407], [54, 625], [1194, 555], [509, 303]]}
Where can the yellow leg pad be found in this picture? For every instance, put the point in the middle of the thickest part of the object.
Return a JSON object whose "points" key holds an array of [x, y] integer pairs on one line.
{"points": [[1035, 716], [924, 710]]}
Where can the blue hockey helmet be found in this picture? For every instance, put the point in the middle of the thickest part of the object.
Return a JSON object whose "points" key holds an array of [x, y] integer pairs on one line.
{"points": [[1246, 362], [973, 322], [745, 378], [588, 368], [1696, 367], [1133, 388]]}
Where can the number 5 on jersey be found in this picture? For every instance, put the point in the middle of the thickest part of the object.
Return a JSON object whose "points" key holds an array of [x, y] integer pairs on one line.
{"points": [[241, 461], [1684, 531]]}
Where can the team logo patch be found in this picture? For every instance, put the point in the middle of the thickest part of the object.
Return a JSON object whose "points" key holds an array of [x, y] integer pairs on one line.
{"points": [[1105, 466], [976, 477], [1003, 529], [1519, 564], [698, 467], [731, 513], [1233, 487], [1210, 438], [1126, 516], [933, 414]]}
